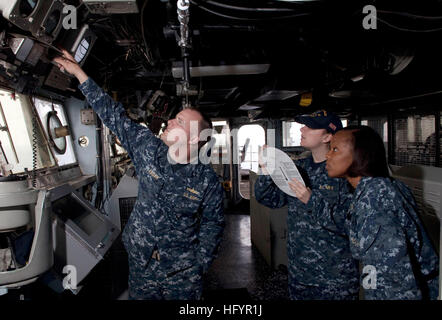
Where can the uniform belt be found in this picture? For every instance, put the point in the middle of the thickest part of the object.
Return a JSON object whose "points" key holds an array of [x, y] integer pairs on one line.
{"points": [[156, 255]]}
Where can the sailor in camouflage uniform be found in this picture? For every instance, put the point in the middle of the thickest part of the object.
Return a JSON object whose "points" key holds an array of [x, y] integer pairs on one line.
{"points": [[386, 234], [320, 263], [176, 225]]}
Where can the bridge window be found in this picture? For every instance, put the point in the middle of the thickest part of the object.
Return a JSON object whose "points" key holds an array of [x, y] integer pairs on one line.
{"points": [[250, 138], [23, 143]]}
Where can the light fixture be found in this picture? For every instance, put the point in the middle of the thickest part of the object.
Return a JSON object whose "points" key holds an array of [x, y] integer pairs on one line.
{"points": [[249, 107], [340, 94], [219, 123], [225, 70], [358, 78], [277, 95]]}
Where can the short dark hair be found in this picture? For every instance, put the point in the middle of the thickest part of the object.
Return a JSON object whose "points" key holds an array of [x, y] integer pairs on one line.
{"points": [[369, 159], [205, 123]]}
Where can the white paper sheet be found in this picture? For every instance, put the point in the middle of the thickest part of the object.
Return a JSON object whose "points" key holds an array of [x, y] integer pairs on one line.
{"points": [[281, 168]]}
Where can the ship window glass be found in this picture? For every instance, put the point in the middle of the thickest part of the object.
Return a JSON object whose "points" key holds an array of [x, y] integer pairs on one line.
{"points": [[250, 138], [23, 142]]}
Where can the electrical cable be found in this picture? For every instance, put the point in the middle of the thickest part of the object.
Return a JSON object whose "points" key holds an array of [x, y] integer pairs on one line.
{"points": [[248, 19], [227, 6], [34, 144], [147, 53], [410, 15], [408, 30]]}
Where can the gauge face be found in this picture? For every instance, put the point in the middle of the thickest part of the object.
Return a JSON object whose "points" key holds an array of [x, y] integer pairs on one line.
{"points": [[27, 6], [59, 144]]}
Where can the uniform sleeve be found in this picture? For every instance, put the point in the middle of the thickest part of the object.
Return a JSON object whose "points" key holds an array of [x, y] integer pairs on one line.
{"points": [[114, 117], [386, 275], [211, 225], [428, 259], [268, 194], [330, 212]]}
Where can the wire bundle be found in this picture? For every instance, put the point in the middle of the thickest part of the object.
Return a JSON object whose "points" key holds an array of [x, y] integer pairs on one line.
{"points": [[250, 14]]}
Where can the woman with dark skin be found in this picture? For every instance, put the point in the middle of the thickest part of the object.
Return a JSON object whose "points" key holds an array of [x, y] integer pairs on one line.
{"points": [[385, 232]]}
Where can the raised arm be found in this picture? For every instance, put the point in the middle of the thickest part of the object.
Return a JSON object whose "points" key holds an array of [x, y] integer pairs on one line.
{"points": [[266, 191], [112, 113]]}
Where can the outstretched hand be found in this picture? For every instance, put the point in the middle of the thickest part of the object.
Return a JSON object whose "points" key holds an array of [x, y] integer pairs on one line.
{"points": [[67, 63], [302, 192]]}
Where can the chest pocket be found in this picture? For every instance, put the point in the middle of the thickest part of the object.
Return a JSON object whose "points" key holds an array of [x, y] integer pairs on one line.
{"points": [[151, 174], [186, 208], [331, 196]]}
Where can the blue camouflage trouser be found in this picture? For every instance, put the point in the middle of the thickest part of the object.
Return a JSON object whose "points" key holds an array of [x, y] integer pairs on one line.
{"points": [[303, 292], [153, 283], [327, 291]]}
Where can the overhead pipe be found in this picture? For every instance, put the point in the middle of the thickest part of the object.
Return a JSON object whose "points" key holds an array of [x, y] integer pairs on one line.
{"points": [[183, 18]]}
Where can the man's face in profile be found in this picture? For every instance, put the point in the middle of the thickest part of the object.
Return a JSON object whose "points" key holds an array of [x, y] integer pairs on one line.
{"points": [[183, 128]]}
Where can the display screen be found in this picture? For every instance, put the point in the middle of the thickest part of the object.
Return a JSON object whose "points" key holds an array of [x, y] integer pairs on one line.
{"points": [[82, 49]]}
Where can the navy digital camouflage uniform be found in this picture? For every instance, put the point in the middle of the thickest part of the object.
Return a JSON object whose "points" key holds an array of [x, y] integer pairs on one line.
{"points": [[176, 225], [320, 263], [386, 233]]}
